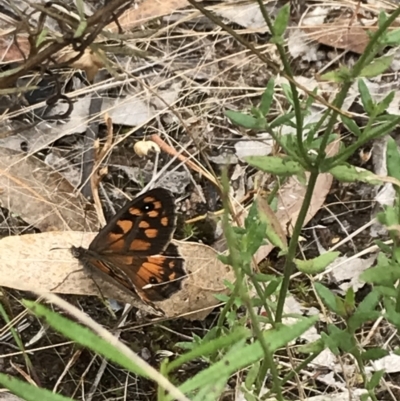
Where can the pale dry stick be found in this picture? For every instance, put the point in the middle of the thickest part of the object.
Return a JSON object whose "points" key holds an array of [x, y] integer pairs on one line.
{"points": [[121, 347], [349, 238], [171, 151], [69, 364], [25, 375], [83, 376], [32, 351]]}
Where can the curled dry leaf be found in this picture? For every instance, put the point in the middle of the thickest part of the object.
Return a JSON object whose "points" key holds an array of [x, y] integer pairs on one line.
{"points": [[90, 61], [40, 195], [31, 262]]}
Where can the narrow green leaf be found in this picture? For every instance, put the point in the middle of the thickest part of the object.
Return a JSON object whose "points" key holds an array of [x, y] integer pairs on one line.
{"points": [[375, 379], [241, 119], [342, 74], [29, 392], [351, 125], [316, 265], [381, 275], [359, 318], [377, 67], [392, 38], [210, 347], [248, 354], [267, 97], [83, 336], [373, 354], [287, 91], [393, 158], [275, 165], [284, 119], [328, 298], [41, 37], [282, 20], [349, 173], [382, 106], [366, 98]]}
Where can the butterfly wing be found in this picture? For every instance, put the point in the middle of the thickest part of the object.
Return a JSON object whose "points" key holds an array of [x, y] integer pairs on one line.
{"points": [[144, 226], [134, 251]]}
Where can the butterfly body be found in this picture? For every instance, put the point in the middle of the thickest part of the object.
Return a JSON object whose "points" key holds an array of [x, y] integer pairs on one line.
{"points": [[134, 249]]}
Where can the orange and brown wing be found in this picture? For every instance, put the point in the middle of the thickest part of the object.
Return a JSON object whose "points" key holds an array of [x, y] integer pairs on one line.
{"points": [[154, 278], [144, 226]]}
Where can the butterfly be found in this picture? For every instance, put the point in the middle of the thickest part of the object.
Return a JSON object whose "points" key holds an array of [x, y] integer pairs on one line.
{"points": [[134, 250]]}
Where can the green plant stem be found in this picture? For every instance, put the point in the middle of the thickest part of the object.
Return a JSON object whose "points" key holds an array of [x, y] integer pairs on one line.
{"points": [[289, 265], [268, 358], [288, 72]]}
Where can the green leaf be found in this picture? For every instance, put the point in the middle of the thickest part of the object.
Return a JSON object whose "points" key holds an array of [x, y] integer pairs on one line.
{"points": [[284, 119], [275, 165], [84, 336], [359, 318], [41, 37], [349, 301], [311, 348], [375, 379], [267, 97], [391, 315], [342, 74], [383, 247], [330, 300], [282, 20], [29, 392], [382, 275], [393, 158], [316, 265], [382, 106], [244, 120], [251, 376], [349, 173], [342, 339], [248, 354], [370, 302], [351, 125], [287, 90], [377, 67], [373, 354], [392, 38], [209, 347], [366, 98]]}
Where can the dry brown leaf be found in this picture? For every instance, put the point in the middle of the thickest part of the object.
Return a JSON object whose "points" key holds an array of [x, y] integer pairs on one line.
{"points": [[90, 61], [29, 263], [147, 10], [40, 195], [341, 34], [10, 50], [290, 199]]}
